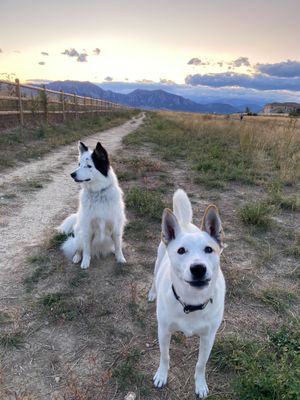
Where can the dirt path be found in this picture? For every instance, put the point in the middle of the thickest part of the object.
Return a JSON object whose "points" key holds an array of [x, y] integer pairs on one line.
{"points": [[26, 219]]}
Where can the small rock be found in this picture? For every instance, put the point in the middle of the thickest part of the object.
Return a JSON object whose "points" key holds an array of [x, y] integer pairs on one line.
{"points": [[57, 379], [130, 396], [147, 345]]}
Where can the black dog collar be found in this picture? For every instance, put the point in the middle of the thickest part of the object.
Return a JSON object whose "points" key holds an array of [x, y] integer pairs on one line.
{"points": [[187, 308]]}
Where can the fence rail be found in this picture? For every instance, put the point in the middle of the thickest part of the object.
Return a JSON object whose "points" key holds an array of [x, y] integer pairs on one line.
{"points": [[25, 104]]}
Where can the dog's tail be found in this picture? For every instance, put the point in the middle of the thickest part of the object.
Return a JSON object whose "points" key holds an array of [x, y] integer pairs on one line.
{"points": [[69, 247], [67, 226], [182, 207]]}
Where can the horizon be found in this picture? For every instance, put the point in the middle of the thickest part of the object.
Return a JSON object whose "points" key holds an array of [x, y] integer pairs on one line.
{"points": [[202, 48]]}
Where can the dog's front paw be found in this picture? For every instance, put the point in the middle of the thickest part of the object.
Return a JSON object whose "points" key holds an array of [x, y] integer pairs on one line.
{"points": [[201, 388], [85, 262], [76, 258], [121, 260], [161, 377]]}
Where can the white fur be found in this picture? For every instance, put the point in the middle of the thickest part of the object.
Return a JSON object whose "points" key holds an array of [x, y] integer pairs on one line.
{"points": [[99, 222], [173, 268]]}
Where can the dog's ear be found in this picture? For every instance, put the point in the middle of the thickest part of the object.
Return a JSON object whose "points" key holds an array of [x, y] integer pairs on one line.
{"points": [[82, 148], [100, 152], [170, 226], [100, 159], [211, 223]]}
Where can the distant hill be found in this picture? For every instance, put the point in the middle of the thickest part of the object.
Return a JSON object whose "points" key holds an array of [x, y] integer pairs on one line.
{"points": [[140, 98]]}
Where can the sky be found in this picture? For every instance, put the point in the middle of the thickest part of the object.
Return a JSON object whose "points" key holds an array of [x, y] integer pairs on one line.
{"points": [[216, 44]]}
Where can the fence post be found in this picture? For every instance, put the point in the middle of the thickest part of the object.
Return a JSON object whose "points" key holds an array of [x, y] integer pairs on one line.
{"points": [[20, 106], [75, 105], [44, 101], [62, 99]]}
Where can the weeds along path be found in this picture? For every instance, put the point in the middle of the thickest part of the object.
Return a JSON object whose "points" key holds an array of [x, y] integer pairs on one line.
{"points": [[27, 213]]}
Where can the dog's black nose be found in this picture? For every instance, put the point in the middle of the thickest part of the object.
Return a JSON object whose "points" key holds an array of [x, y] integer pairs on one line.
{"points": [[198, 271], [73, 174]]}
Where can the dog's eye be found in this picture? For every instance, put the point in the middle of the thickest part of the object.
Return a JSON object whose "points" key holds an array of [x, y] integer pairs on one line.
{"points": [[89, 166], [181, 250], [208, 250]]}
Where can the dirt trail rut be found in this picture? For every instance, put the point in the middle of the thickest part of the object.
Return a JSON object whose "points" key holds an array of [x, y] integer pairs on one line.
{"points": [[24, 225]]}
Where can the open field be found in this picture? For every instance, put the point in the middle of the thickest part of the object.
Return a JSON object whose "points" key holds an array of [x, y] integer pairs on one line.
{"points": [[68, 334], [23, 144]]}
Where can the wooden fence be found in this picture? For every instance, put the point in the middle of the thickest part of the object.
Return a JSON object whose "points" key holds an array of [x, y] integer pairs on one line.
{"points": [[25, 105]]}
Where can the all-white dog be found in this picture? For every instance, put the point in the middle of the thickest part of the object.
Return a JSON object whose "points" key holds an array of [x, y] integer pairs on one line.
{"points": [[98, 225], [188, 283]]}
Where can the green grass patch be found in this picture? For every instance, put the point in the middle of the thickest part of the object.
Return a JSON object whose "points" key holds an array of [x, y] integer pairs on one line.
{"points": [[57, 240], [263, 370], [213, 151], [276, 197], [4, 318], [12, 340], [146, 203], [22, 144], [279, 299], [127, 374], [256, 214], [61, 306]]}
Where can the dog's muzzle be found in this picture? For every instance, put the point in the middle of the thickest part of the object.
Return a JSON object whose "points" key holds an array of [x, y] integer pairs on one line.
{"points": [[198, 272], [73, 175]]}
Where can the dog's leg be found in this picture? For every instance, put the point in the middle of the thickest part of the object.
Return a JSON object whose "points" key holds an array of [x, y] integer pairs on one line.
{"points": [[206, 344], [161, 376], [117, 239], [86, 248]]}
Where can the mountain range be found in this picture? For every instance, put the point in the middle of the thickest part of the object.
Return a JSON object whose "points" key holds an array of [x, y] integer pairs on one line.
{"points": [[140, 98]]}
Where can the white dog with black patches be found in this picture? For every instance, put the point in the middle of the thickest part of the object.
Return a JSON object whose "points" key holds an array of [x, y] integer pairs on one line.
{"points": [[98, 225], [188, 284]]}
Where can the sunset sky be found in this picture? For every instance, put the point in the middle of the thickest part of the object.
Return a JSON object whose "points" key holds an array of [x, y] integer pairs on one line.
{"points": [[213, 44]]}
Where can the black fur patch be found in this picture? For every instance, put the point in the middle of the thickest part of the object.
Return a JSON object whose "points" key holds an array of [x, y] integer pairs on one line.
{"points": [[100, 159], [82, 147]]}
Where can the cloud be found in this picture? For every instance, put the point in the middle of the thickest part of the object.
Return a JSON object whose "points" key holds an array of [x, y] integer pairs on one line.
{"points": [[145, 81], [108, 79], [166, 81], [285, 69], [44, 53], [196, 61], [42, 63], [241, 61], [17, 51], [96, 51], [231, 79], [82, 57], [71, 52], [1, 51]]}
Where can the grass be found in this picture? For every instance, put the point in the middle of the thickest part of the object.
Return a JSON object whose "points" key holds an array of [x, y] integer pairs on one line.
{"points": [[13, 340], [127, 374], [256, 214], [147, 203], [61, 306], [57, 240], [268, 370], [279, 299], [294, 248], [221, 150], [22, 144], [277, 198]]}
